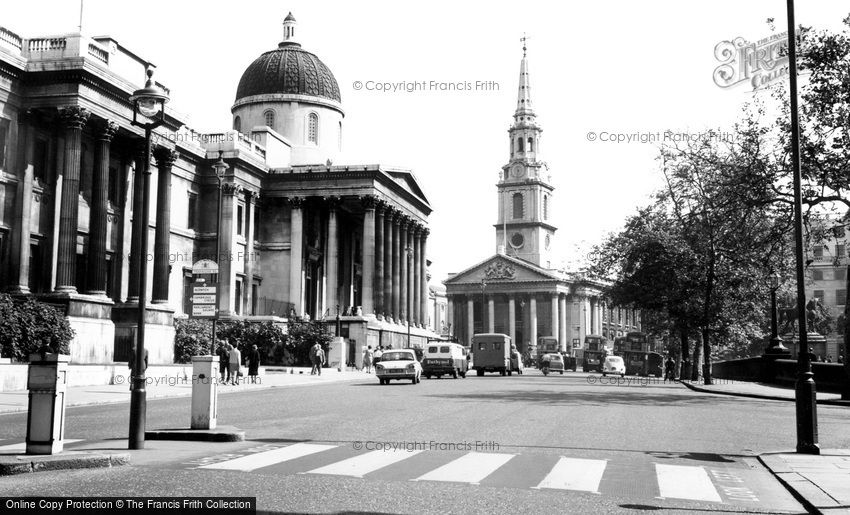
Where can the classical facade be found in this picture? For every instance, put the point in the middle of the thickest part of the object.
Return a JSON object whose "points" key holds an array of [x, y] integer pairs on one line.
{"points": [[517, 291], [299, 234]]}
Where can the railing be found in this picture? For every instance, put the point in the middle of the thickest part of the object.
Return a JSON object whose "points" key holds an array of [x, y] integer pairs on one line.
{"points": [[98, 53], [11, 38], [47, 44], [237, 139]]}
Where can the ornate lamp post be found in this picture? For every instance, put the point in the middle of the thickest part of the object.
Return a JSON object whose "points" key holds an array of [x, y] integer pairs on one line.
{"points": [[775, 346], [805, 391], [148, 102], [220, 167]]}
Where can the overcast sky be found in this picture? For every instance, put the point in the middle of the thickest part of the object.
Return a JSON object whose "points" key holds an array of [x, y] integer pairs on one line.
{"points": [[602, 66]]}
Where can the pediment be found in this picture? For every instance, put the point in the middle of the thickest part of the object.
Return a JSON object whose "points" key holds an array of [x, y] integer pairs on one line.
{"points": [[502, 269]]}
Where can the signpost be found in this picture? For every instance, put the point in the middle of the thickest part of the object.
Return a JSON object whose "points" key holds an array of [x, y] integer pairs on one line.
{"points": [[204, 299]]}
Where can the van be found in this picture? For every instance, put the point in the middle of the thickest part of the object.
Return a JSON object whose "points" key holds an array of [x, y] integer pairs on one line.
{"points": [[491, 352], [441, 358]]}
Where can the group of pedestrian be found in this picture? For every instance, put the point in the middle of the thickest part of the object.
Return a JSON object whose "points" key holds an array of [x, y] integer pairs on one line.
{"points": [[230, 363], [372, 357]]}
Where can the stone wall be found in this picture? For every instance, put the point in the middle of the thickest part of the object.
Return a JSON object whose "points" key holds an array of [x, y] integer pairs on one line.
{"points": [[829, 377]]}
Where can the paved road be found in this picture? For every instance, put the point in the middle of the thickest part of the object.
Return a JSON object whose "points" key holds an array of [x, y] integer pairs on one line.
{"points": [[529, 443]]}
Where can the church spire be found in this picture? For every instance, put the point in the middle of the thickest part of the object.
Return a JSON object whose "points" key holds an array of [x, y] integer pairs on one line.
{"points": [[524, 108]]}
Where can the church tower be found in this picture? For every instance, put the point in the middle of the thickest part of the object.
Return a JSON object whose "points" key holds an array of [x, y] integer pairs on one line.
{"points": [[525, 193]]}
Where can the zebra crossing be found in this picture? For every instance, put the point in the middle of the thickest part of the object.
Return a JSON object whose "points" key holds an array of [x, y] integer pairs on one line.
{"points": [[728, 483]]}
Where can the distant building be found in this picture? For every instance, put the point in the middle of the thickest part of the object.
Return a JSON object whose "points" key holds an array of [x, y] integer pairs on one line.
{"points": [[827, 281], [300, 235]]}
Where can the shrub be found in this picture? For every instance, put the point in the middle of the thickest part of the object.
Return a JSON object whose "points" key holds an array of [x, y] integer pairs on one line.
{"points": [[30, 326], [302, 336], [192, 338]]}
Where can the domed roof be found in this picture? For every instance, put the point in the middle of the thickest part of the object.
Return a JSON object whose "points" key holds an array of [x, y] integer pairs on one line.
{"points": [[288, 69]]}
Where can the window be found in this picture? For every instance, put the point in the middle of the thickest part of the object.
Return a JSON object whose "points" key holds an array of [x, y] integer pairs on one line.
{"points": [[192, 218], [237, 294], [818, 251], [518, 209], [313, 128], [237, 124], [240, 215], [187, 292], [819, 296], [545, 207], [530, 145], [817, 275], [269, 118], [339, 137], [4, 135], [517, 240], [840, 251], [482, 346], [840, 274], [255, 291], [519, 145], [840, 297], [39, 159]]}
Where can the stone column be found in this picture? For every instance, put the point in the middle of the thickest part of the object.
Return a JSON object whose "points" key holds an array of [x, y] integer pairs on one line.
{"points": [[138, 224], [555, 318], [491, 314], [230, 192], [161, 248], [96, 264], [389, 240], [20, 251], [379, 260], [470, 320], [450, 314], [332, 257], [296, 248], [396, 269], [73, 119], [423, 276], [415, 278], [403, 269], [250, 258], [512, 322], [532, 325], [367, 294], [411, 266], [562, 325]]}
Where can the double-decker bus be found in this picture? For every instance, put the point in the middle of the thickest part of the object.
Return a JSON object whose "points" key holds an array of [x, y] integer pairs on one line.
{"points": [[547, 345], [595, 343], [636, 342]]}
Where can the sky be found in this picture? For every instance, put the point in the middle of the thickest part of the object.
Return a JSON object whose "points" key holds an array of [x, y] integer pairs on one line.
{"points": [[614, 68]]}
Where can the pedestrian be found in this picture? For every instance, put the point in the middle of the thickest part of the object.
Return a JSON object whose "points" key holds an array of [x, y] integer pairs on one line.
{"points": [[223, 358], [234, 363], [669, 369], [376, 356], [829, 358], [253, 363], [314, 353], [812, 356], [367, 359], [131, 361]]}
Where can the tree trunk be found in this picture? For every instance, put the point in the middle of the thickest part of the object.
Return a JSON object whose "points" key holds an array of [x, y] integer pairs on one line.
{"points": [[695, 367], [706, 356], [684, 371]]}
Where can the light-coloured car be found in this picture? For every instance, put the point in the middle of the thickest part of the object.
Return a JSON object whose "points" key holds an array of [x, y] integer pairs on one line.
{"points": [[613, 365], [398, 364]]}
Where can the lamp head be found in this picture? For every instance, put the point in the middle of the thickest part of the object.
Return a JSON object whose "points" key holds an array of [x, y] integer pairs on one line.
{"points": [[150, 100]]}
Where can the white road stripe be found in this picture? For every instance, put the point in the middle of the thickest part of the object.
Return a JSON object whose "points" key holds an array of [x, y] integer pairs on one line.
{"points": [[469, 468], [359, 466], [267, 458], [22, 446], [685, 482], [575, 474]]}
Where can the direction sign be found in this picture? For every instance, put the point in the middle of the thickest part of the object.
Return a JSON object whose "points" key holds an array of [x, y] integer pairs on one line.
{"points": [[204, 266], [203, 299], [203, 310], [203, 289]]}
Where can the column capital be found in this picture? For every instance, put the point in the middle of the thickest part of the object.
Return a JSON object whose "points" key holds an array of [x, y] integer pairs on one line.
{"points": [[396, 216], [425, 231], [252, 195], [369, 202], [165, 157], [106, 131], [332, 202], [74, 117], [381, 206], [231, 188], [404, 221], [295, 202]]}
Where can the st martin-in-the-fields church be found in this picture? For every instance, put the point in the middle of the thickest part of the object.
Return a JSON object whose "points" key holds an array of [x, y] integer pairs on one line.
{"points": [[518, 291]]}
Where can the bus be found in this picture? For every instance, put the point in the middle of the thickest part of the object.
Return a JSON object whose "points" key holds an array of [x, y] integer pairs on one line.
{"points": [[547, 345], [595, 342], [636, 342]]}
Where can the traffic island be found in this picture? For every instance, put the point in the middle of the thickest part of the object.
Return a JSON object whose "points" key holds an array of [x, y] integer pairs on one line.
{"points": [[219, 434], [27, 463]]}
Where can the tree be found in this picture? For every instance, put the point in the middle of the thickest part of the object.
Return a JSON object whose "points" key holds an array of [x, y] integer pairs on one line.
{"points": [[30, 326]]}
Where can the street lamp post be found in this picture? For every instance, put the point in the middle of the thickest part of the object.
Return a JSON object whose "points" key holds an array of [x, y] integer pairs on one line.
{"points": [[220, 167], [805, 390], [148, 102], [775, 346], [484, 325]]}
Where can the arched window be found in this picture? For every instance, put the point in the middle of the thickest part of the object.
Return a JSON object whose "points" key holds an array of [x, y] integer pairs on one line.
{"points": [[545, 207], [530, 145], [518, 209], [313, 128], [237, 124], [519, 144], [269, 118]]}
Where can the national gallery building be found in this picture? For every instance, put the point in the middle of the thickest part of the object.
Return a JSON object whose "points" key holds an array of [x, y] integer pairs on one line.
{"points": [[300, 235]]}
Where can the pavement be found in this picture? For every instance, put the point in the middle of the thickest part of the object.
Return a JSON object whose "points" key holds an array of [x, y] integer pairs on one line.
{"points": [[181, 386], [820, 482]]}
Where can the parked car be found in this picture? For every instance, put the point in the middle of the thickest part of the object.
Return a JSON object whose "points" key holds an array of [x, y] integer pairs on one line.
{"points": [[614, 365], [399, 364], [444, 358], [552, 363]]}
